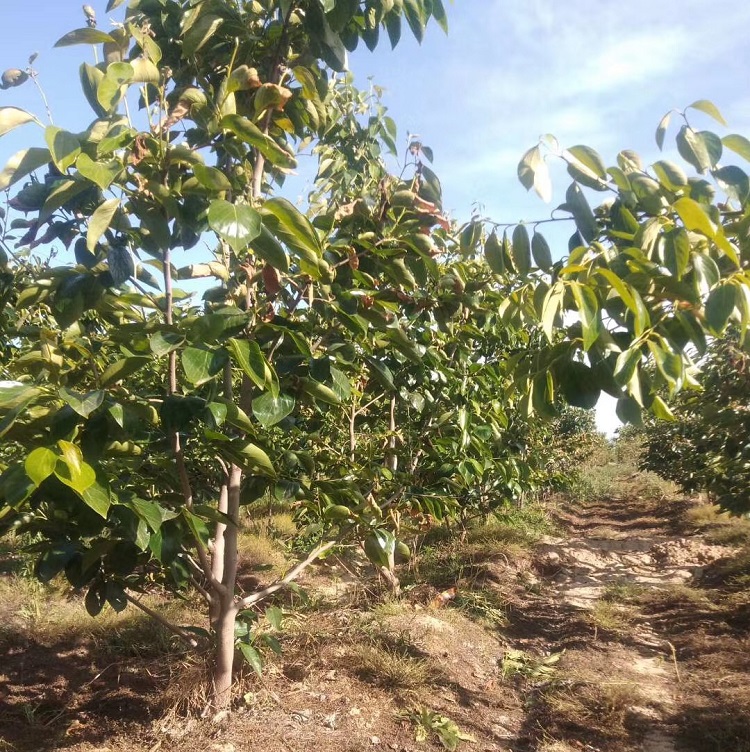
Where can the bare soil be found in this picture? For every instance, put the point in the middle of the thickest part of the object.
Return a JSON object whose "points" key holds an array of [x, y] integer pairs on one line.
{"points": [[627, 631]]}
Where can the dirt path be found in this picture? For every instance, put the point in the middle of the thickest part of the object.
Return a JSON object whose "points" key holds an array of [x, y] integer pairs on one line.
{"points": [[622, 681]]}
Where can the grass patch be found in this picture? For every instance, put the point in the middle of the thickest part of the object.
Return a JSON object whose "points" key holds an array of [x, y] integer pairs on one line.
{"points": [[622, 592], [676, 594], [259, 552], [588, 708], [52, 613], [611, 616], [391, 667]]}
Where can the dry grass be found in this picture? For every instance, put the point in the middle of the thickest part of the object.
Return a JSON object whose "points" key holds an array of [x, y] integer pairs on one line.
{"points": [[54, 613], [391, 667], [276, 525], [259, 553], [676, 594], [719, 528], [602, 707]]}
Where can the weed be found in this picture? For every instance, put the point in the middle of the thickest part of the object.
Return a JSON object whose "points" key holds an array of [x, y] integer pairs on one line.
{"points": [[428, 722], [622, 592], [391, 667], [611, 617], [520, 663], [486, 606]]}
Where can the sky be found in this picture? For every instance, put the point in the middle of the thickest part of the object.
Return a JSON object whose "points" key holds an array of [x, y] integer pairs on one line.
{"points": [[595, 72]]}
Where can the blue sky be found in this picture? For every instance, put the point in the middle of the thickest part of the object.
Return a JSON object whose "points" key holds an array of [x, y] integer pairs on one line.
{"points": [[596, 72]]}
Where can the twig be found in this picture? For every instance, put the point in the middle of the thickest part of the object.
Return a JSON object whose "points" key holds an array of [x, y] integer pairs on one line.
{"points": [[179, 631]]}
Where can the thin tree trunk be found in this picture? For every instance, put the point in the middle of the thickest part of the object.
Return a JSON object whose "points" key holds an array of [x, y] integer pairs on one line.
{"points": [[224, 661]]}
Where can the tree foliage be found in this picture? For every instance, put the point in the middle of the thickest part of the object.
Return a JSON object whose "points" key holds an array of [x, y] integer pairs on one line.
{"points": [[707, 447], [366, 359]]}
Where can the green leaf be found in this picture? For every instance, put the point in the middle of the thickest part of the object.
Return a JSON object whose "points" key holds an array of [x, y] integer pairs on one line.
{"points": [[13, 117], [438, 13], [83, 403], [661, 130], [320, 391], [270, 410], [95, 599], [15, 394], [21, 164], [248, 132], [149, 511], [738, 144], [578, 206], [64, 191], [71, 468], [40, 464], [123, 368], [101, 173], [551, 308], [100, 221], [163, 343], [702, 149], [250, 456], [120, 264], [144, 71], [533, 173], [540, 250], [521, 249], [627, 364], [112, 87], [707, 274], [270, 250], [274, 616], [293, 229], [63, 146], [251, 360], [252, 657], [694, 216], [670, 175], [629, 411], [415, 17], [588, 309], [709, 108], [202, 364], [91, 77], [719, 307], [493, 253], [98, 498], [588, 160], [734, 182], [393, 27], [660, 409], [199, 34], [669, 363], [212, 178], [237, 224], [85, 36], [677, 251]]}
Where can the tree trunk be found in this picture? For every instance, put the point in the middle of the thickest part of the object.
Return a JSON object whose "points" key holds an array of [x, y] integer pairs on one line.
{"points": [[224, 663]]}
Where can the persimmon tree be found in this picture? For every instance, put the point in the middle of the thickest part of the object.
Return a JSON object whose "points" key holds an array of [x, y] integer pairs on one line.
{"points": [[366, 357]]}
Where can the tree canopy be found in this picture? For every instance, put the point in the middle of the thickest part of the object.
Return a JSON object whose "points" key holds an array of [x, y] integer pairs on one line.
{"points": [[365, 357]]}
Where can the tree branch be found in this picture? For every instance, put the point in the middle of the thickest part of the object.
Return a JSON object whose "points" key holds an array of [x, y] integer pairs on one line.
{"points": [[284, 581], [173, 628]]}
